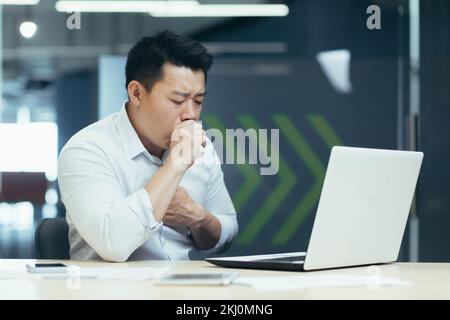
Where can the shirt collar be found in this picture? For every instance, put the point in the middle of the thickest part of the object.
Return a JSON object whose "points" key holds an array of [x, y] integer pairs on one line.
{"points": [[127, 134], [130, 140]]}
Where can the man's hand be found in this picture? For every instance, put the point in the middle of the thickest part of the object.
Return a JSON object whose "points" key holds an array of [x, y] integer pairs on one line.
{"points": [[183, 211], [187, 142]]}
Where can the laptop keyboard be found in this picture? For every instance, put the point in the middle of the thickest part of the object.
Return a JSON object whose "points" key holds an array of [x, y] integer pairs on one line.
{"points": [[292, 259]]}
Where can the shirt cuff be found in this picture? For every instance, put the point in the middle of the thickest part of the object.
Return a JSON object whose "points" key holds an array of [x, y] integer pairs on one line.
{"points": [[142, 206], [227, 222]]}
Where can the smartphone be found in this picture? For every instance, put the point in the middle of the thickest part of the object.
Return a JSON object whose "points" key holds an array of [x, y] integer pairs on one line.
{"points": [[47, 268], [223, 279]]}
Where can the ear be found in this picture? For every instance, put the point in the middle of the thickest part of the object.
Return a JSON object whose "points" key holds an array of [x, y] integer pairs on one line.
{"points": [[135, 92]]}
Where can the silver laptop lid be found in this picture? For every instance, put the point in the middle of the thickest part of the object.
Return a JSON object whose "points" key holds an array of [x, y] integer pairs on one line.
{"points": [[363, 207]]}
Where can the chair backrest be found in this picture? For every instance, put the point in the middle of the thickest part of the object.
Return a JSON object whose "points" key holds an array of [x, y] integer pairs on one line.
{"points": [[52, 239]]}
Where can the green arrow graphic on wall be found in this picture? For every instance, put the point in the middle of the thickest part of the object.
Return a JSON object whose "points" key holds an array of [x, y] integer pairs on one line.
{"points": [[287, 177], [324, 130], [287, 180], [249, 172], [313, 163]]}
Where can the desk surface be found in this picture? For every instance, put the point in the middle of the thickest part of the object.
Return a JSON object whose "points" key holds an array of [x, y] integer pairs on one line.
{"points": [[429, 281]]}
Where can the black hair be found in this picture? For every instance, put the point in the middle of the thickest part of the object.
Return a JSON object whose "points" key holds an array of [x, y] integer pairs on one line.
{"points": [[147, 57]]}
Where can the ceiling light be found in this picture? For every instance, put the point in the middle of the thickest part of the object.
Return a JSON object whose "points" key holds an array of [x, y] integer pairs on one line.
{"points": [[18, 2], [175, 8], [28, 29], [223, 10], [122, 6]]}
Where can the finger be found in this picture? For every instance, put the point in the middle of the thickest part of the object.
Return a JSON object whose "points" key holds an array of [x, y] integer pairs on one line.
{"points": [[199, 140], [186, 124], [198, 126], [183, 133], [203, 138], [178, 133], [168, 219]]}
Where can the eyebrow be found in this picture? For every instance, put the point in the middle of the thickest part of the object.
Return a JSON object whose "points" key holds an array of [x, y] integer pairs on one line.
{"points": [[185, 95]]}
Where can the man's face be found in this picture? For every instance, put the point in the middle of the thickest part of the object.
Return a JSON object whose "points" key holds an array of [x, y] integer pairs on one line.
{"points": [[177, 97]]}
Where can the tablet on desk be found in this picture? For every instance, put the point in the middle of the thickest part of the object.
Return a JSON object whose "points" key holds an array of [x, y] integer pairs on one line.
{"points": [[223, 278], [47, 268]]}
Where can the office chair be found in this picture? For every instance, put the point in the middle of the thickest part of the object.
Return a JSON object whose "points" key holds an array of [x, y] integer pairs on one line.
{"points": [[51, 239]]}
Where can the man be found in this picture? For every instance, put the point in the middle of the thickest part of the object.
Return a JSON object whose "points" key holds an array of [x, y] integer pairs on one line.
{"points": [[133, 184]]}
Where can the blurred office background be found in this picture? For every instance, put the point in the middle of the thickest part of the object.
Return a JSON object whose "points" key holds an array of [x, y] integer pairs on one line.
{"points": [[311, 68]]}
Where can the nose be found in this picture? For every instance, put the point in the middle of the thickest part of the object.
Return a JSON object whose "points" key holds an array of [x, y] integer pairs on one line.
{"points": [[189, 111]]}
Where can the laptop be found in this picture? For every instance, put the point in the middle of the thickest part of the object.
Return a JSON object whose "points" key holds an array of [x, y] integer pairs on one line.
{"points": [[361, 217]]}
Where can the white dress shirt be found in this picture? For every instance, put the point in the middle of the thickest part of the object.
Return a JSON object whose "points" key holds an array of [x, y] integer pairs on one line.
{"points": [[102, 174]]}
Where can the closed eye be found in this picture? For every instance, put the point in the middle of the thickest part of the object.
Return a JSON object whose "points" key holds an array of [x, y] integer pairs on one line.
{"points": [[177, 102]]}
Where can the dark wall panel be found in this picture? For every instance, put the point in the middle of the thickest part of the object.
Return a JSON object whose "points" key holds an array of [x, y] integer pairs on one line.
{"points": [[276, 212], [434, 188]]}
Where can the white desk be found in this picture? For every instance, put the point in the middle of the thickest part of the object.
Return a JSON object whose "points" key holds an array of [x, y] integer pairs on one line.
{"points": [[429, 281]]}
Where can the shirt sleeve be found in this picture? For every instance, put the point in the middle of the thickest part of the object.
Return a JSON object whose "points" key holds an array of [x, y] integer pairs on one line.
{"points": [[218, 202], [112, 223]]}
